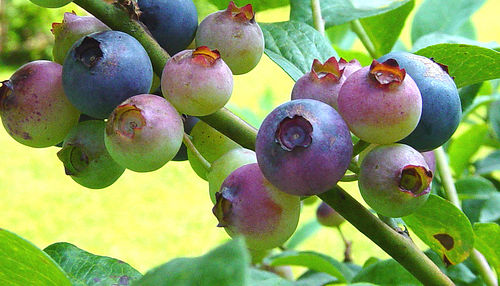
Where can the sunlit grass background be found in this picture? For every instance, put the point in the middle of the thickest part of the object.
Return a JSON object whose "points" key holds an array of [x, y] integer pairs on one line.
{"points": [[148, 219]]}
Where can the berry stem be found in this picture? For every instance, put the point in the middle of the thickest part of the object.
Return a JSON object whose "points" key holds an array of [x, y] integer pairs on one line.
{"points": [[318, 22], [353, 167], [347, 245], [190, 146], [359, 147], [402, 249], [364, 38], [349, 178], [451, 193]]}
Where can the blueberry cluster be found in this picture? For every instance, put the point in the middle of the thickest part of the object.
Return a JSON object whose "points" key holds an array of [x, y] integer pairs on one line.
{"points": [[98, 103]]}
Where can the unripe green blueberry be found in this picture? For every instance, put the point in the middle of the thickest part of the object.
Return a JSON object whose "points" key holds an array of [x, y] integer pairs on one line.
{"points": [[225, 165], [327, 216], [394, 180], [51, 3], [85, 157]]}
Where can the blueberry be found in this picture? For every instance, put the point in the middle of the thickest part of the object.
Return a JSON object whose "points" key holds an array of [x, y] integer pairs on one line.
{"points": [[327, 216], [303, 147], [381, 103], [103, 69], [197, 82], [85, 157], [441, 109], [71, 29], [143, 133], [249, 205], [33, 106], [394, 180], [235, 34], [173, 23]]}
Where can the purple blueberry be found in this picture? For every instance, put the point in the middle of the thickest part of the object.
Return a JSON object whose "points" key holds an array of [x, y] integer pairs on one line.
{"points": [[394, 180], [172, 23], [441, 109], [197, 82], [235, 34], [143, 133], [71, 29], [381, 103], [103, 69], [33, 106], [304, 147], [251, 206], [85, 157], [327, 216]]}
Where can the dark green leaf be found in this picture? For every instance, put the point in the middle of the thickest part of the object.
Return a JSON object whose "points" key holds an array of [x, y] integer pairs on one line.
{"points": [[294, 45], [489, 164], [226, 265], [467, 64], [336, 12], [312, 260], [258, 5], [370, 261], [341, 36], [84, 268], [458, 273], [487, 241], [313, 278], [490, 211], [442, 38], [468, 93], [384, 29], [259, 277], [23, 264], [494, 117], [444, 228], [442, 16], [464, 146], [386, 272], [303, 233], [476, 187]]}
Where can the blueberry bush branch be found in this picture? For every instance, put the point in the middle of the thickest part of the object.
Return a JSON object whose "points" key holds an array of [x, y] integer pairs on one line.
{"points": [[451, 194], [363, 37]]}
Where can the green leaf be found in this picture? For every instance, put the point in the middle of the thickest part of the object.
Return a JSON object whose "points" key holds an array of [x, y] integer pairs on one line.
{"points": [[458, 273], [303, 233], [84, 268], [489, 164], [226, 265], [487, 241], [464, 146], [259, 277], [494, 118], [442, 38], [480, 101], [476, 187], [442, 16], [312, 260], [336, 12], [313, 278], [341, 36], [444, 228], [490, 212], [23, 264], [258, 5], [294, 45], [386, 272], [384, 29], [466, 63], [468, 94]]}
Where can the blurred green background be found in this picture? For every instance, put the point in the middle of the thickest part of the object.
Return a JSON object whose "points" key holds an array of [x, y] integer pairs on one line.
{"points": [[143, 219]]}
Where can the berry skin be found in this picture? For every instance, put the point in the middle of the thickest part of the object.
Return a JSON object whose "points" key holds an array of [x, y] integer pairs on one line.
{"points": [[51, 3], [394, 180], [103, 69], [441, 109], [303, 147], [172, 23], [327, 216], [235, 34], [189, 123], [225, 165], [143, 133], [85, 157], [71, 29], [323, 82], [251, 206], [380, 103], [33, 106], [197, 82]]}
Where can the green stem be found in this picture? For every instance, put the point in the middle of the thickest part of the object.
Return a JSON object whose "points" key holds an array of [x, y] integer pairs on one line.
{"points": [[353, 167], [451, 194], [190, 146], [318, 22], [359, 147], [364, 38], [347, 246], [349, 178], [400, 248]]}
